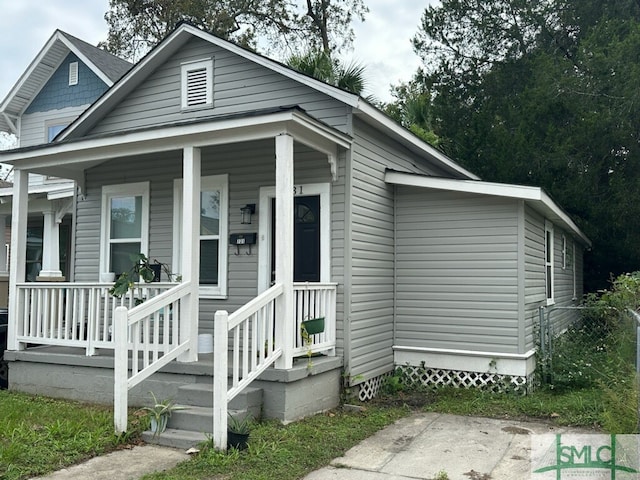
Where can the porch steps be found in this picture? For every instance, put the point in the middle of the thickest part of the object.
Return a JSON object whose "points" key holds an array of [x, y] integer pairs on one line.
{"points": [[188, 427]]}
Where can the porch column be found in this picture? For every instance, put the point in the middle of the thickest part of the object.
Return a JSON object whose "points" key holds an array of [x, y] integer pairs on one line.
{"points": [[50, 248], [284, 249], [189, 309], [19, 209], [3, 251]]}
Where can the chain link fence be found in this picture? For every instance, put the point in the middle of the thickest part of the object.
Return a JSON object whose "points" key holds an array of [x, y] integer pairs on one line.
{"points": [[600, 350]]}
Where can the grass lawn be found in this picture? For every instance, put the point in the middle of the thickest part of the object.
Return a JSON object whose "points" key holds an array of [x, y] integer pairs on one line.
{"points": [[69, 432], [39, 435]]}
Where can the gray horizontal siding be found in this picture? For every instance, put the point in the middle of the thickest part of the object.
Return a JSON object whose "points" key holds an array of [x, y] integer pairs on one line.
{"points": [[249, 166], [456, 270], [239, 86], [33, 129], [535, 278], [372, 248]]}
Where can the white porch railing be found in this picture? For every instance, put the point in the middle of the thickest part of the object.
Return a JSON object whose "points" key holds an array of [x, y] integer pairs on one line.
{"points": [[249, 335], [74, 314], [147, 337], [313, 300]]}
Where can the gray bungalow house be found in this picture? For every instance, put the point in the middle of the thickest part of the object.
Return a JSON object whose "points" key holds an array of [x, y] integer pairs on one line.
{"points": [[277, 199]]}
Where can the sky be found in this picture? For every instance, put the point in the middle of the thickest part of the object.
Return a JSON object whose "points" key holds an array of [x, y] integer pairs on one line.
{"points": [[383, 41]]}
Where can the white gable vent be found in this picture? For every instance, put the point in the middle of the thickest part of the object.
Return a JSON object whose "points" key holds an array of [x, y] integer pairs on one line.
{"points": [[73, 73], [197, 84]]}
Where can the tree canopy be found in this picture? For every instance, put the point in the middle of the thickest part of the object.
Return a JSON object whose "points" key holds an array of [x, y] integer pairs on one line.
{"points": [[295, 26], [542, 93]]}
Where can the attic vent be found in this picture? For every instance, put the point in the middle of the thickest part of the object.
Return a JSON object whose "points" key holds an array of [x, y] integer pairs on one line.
{"points": [[73, 73], [197, 84]]}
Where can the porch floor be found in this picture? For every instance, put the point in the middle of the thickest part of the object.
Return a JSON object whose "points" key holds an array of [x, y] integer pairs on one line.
{"points": [[204, 366]]}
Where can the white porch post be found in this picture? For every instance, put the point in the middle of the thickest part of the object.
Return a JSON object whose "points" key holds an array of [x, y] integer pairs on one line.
{"points": [[50, 248], [3, 251], [19, 210], [284, 249], [189, 309]]}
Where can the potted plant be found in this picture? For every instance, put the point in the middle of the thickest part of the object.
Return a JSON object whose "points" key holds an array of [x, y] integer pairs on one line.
{"points": [[159, 413], [313, 326], [309, 327], [238, 431], [141, 269]]}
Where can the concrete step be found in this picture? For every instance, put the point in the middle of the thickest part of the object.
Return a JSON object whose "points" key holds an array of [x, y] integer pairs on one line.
{"points": [[174, 438], [198, 419], [201, 395]]}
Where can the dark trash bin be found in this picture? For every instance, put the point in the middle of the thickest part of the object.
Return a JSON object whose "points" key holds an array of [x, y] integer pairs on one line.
{"points": [[4, 368]]}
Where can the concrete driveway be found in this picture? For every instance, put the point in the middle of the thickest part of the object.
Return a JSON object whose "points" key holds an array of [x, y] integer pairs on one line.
{"points": [[425, 445]]}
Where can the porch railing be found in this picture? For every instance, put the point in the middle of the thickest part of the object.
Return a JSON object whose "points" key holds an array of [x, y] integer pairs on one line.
{"points": [[249, 335], [147, 338], [313, 300], [74, 314]]}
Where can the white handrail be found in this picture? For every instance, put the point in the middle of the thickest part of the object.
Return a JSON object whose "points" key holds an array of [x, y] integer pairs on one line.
{"points": [[146, 334]]}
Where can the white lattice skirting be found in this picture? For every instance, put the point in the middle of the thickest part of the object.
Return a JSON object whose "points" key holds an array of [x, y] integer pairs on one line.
{"points": [[438, 377]]}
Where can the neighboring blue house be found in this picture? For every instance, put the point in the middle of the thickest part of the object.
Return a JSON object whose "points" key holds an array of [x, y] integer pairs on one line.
{"points": [[277, 199], [65, 78]]}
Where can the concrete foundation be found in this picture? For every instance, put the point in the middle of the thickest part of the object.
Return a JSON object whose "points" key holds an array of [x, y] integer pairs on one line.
{"points": [[61, 373]]}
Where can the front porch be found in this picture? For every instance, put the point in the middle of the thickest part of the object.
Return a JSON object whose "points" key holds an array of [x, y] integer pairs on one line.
{"points": [[120, 210]]}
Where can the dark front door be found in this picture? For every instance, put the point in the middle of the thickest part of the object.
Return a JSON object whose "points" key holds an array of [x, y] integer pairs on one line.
{"points": [[306, 239]]}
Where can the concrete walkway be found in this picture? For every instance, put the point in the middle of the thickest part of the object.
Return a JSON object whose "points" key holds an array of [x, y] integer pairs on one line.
{"points": [[425, 445], [130, 464]]}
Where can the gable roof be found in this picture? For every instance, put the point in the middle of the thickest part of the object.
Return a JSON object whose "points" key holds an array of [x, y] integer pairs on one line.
{"points": [[106, 66], [185, 31], [536, 197]]}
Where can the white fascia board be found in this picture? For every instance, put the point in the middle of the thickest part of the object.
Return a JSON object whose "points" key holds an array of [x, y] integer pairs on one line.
{"points": [[171, 138], [101, 75], [387, 123], [535, 195], [27, 73]]}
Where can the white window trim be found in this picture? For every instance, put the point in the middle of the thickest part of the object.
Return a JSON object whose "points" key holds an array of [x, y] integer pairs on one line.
{"points": [[187, 67], [219, 182], [549, 266], [122, 190], [73, 73], [264, 230], [564, 252]]}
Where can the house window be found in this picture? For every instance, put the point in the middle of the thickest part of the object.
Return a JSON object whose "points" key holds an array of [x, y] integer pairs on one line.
{"points": [[548, 262], [197, 84], [125, 225], [213, 233], [54, 130], [73, 73], [564, 252]]}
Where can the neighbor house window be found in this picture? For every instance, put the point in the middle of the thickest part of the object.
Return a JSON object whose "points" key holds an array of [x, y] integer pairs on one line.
{"points": [[548, 261], [73, 73], [213, 233], [54, 130], [125, 225], [197, 84]]}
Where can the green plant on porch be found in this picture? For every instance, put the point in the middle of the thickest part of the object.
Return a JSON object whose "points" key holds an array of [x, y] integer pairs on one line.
{"points": [[141, 269], [309, 327], [159, 413]]}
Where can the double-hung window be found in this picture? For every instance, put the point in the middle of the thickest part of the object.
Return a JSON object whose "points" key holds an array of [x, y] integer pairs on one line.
{"points": [[125, 225], [213, 233], [548, 262]]}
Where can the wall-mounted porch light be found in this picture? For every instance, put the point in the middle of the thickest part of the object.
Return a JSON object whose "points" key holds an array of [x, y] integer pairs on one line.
{"points": [[248, 210]]}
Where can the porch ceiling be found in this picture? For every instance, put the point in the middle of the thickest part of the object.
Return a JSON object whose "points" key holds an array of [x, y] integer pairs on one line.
{"points": [[69, 159]]}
